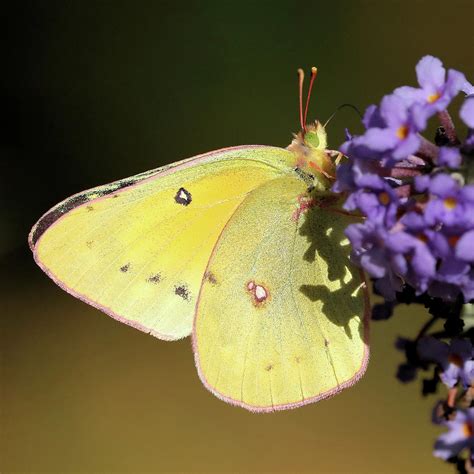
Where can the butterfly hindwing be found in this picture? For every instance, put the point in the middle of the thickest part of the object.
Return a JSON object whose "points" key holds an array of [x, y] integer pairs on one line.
{"points": [[138, 248], [281, 318]]}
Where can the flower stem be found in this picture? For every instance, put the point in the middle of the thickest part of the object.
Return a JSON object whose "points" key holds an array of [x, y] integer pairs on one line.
{"points": [[448, 125], [452, 392], [425, 328], [428, 150]]}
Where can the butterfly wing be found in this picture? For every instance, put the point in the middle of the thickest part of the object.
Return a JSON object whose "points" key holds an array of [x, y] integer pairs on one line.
{"points": [[137, 248], [282, 318]]}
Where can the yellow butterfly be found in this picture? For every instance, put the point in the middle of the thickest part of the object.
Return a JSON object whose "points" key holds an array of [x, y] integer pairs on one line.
{"points": [[243, 248]]}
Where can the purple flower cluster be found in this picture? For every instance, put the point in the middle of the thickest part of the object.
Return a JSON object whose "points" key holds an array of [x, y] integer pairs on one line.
{"points": [[417, 238], [416, 196]]}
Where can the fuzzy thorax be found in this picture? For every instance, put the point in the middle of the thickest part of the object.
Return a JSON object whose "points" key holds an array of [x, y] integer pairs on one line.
{"points": [[311, 157]]}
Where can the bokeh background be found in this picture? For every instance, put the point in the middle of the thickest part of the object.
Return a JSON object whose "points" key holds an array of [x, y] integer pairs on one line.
{"points": [[93, 91]]}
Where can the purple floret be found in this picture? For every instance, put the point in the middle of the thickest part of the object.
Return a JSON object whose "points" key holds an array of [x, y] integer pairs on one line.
{"points": [[460, 435], [452, 358], [397, 131], [437, 88], [467, 112]]}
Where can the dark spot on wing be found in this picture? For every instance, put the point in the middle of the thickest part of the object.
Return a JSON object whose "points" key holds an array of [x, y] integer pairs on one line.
{"points": [[269, 367], [211, 278], [259, 293], [326, 342], [183, 292], [154, 278], [89, 243], [183, 197], [125, 268], [90, 208]]}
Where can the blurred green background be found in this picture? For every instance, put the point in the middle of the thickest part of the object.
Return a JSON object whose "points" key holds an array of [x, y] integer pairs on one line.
{"points": [[96, 91]]}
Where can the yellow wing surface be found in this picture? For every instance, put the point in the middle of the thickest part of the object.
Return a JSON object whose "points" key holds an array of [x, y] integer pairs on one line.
{"points": [[281, 318], [137, 249]]}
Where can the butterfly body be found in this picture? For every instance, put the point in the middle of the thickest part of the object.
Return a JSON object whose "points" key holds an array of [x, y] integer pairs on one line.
{"points": [[243, 248]]}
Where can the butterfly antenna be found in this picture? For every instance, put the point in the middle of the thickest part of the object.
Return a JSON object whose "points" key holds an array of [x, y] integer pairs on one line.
{"points": [[300, 87], [353, 107], [314, 72]]}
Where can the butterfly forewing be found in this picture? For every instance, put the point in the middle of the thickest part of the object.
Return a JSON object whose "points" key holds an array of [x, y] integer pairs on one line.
{"points": [[138, 248]]}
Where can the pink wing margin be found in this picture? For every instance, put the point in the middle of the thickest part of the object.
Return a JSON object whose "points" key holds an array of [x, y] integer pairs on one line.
{"points": [[56, 213]]}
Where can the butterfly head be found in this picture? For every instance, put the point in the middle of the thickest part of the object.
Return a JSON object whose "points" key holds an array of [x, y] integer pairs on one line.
{"points": [[313, 162]]}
